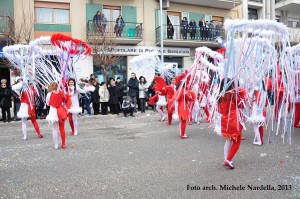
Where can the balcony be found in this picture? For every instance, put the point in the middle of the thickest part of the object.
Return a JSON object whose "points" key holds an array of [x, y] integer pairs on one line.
{"points": [[44, 29], [131, 34], [228, 4], [291, 6], [203, 36], [7, 29]]}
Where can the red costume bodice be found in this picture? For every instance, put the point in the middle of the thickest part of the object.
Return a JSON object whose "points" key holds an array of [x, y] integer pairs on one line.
{"points": [[56, 99], [228, 105]]}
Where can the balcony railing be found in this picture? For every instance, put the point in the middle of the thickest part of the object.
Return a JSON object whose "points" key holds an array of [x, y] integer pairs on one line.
{"points": [[190, 33], [257, 1], [110, 29], [6, 26]]}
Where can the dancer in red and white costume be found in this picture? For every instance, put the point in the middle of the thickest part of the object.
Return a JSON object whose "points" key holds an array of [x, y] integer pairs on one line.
{"points": [[161, 102], [185, 98], [57, 113], [27, 108], [170, 90], [73, 103], [231, 127], [159, 97]]}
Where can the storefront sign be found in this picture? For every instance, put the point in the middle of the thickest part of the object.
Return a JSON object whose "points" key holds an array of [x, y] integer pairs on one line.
{"points": [[138, 50]]}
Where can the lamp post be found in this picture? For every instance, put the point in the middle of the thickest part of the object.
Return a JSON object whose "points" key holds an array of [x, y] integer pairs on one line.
{"points": [[161, 33]]}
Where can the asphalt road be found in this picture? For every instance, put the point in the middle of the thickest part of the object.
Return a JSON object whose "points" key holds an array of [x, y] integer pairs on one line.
{"points": [[115, 157]]}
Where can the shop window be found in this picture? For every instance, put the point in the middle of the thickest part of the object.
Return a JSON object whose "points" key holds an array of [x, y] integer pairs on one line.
{"points": [[115, 70]]}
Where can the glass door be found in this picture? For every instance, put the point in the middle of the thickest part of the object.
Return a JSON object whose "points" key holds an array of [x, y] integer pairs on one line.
{"points": [[111, 13]]}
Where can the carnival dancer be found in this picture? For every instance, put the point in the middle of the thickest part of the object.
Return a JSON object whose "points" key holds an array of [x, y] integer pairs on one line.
{"points": [[258, 117], [297, 111], [159, 96], [231, 127], [200, 106], [185, 98], [161, 102], [72, 105], [57, 113], [279, 92], [170, 90], [27, 108]]}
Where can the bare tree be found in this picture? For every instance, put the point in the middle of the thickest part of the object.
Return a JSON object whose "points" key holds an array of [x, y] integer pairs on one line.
{"points": [[103, 52], [24, 31], [21, 32]]}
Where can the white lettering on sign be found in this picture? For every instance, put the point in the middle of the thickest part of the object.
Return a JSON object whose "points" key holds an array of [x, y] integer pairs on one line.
{"points": [[138, 50]]}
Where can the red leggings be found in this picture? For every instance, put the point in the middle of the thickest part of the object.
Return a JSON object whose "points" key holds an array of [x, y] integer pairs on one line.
{"points": [[261, 133], [71, 122], [170, 113], [234, 148], [182, 127], [35, 125], [62, 131], [297, 114]]}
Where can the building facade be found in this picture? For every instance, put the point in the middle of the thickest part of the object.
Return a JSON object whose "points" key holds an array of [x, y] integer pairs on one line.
{"points": [[141, 28], [284, 11]]}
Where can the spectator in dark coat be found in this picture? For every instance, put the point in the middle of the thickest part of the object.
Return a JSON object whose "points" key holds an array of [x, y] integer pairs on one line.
{"points": [[119, 85], [97, 21], [127, 107], [170, 30], [210, 30], [96, 97], [114, 94], [133, 85], [5, 101], [42, 109], [219, 29], [202, 26], [192, 29], [17, 101], [184, 27], [119, 26]]}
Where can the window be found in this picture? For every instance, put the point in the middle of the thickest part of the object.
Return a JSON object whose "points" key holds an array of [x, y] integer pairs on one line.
{"points": [[48, 12], [111, 13], [252, 14], [293, 23]]}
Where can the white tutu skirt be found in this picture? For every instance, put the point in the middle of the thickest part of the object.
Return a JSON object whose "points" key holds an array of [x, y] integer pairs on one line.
{"points": [[218, 128], [75, 108], [203, 101], [162, 101], [52, 116], [257, 115], [175, 116], [23, 111], [256, 119]]}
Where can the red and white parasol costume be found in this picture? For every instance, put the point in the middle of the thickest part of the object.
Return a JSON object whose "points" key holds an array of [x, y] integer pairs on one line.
{"points": [[73, 105], [57, 116], [27, 108], [258, 116], [231, 127]]}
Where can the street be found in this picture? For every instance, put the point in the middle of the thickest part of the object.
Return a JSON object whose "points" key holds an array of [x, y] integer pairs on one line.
{"points": [[140, 157]]}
